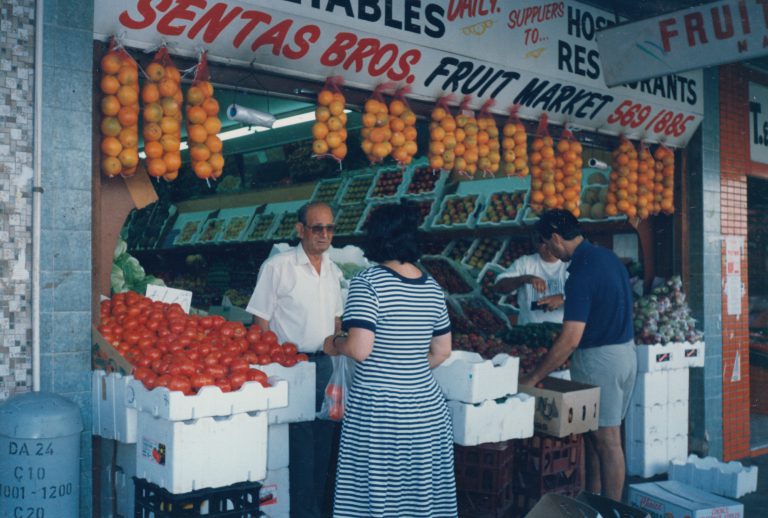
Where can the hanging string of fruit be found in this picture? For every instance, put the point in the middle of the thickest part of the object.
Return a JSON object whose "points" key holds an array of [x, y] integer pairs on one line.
{"points": [[645, 180], [162, 98], [442, 136], [376, 133], [622, 188], [204, 125], [119, 106], [330, 128], [568, 165], [514, 145], [489, 158], [466, 137], [402, 123], [665, 166], [542, 160]]}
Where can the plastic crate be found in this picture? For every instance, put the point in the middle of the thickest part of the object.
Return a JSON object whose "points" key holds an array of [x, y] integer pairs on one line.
{"points": [[485, 317], [327, 191], [236, 222], [425, 181], [487, 467], [262, 226], [483, 504], [238, 500], [356, 190], [484, 250], [187, 227], [546, 464], [486, 279], [286, 229], [401, 179], [457, 249], [448, 274], [512, 250], [348, 220], [503, 209], [464, 218]]}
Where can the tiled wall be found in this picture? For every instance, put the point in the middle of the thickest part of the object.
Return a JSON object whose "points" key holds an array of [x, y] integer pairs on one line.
{"points": [[17, 55], [734, 165]]}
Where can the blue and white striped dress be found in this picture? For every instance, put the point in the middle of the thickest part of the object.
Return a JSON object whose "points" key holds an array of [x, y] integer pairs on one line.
{"points": [[396, 453]]}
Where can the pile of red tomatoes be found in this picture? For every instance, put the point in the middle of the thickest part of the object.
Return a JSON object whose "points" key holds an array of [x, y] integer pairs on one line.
{"points": [[169, 348]]}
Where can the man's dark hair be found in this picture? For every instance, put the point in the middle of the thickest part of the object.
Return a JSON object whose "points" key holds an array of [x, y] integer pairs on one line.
{"points": [[392, 234], [560, 222], [302, 214]]}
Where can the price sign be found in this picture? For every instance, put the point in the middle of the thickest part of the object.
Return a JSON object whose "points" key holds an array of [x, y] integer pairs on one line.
{"points": [[758, 123], [170, 295]]}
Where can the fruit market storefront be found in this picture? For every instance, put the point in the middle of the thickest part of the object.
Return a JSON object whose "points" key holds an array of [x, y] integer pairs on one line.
{"points": [[212, 226]]}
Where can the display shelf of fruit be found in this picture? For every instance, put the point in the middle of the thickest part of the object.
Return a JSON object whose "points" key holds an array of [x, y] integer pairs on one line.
{"points": [[457, 211], [485, 317], [486, 346], [327, 191], [487, 279], [484, 250], [348, 219], [262, 226], [663, 316], [533, 335], [210, 231], [448, 274], [427, 208], [286, 229], [356, 189], [425, 180], [458, 248], [503, 209], [513, 249], [388, 184]]}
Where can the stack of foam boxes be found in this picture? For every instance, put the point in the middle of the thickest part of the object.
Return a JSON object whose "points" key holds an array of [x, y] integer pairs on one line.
{"points": [[656, 426], [730, 479], [487, 412], [275, 490]]}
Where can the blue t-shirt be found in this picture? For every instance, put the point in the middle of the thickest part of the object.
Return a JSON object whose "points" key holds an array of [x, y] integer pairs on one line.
{"points": [[597, 293]]}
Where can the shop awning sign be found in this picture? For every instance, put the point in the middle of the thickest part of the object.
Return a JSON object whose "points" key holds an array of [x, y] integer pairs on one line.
{"points": [[702, 36], [758, 123], [540, 55]]}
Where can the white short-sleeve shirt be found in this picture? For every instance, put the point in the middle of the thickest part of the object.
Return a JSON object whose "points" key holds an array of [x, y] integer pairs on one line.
{"points": [[555, 274], [300, 304]]}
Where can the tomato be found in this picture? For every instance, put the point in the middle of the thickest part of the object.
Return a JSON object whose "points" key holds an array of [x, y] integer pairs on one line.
{"points": [[277, 356], [269, 337], [201, 380], [180, 383], [256, 375], [289, 361], [212, 358], [153, 354], [241, 344], [336, 412], [186, 367], [290, 348], [146, 342], [226, 359], [301, 357], [217, 371], [218, 321], [237, 379], [226, 331], [333, 391], [264, 359], [224, 384], [140, 373], [239, 365], [254, 334], [260, 348], [251, 357]]}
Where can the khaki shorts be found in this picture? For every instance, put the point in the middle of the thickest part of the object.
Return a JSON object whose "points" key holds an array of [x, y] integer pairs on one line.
{"points": [[613, 368]]}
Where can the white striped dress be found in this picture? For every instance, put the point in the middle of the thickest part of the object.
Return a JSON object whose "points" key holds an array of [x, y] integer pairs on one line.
{"points": [[396, 453]]}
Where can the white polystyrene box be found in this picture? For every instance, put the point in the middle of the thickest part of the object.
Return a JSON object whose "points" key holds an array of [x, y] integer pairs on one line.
{"points": [[646, 459], [678, 385], [693, 354], [731, 479], [677, 448], [113, 418], [274, 496], [208, 402], [183, 456], [659, 357], [467, 377], [301, 392], [125, 470], [650, 388], [677, 418], [490, 421], [278, 452], [646, 422]]}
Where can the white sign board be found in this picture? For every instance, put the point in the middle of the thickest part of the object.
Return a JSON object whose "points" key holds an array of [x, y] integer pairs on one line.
{"points": [[701, 36], [758, 123], [170, 296], [540, 55]]}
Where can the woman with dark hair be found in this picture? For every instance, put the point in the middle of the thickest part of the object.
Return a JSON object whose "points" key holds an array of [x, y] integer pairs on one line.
{"points": [[396, 453]]}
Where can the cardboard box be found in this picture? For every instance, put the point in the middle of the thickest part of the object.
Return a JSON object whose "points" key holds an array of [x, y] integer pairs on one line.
{"points": [[467, 377], [552, 505], [275, 494], [301, 392], [672, 499], [105, 357], [610, 508], [278, 447], [492, 421], [564, 407], [183, 456], [112, 417]]}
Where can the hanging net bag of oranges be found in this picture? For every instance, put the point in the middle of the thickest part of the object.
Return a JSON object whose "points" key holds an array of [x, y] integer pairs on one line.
{"points": [[514, 145], [568, 172], [542, 163], [330, 129], [467, 129], [665, 179], [376, 134], [119, 106], [488, 145], [442, 136], [402, 123], [204, 125], [162, 99]]}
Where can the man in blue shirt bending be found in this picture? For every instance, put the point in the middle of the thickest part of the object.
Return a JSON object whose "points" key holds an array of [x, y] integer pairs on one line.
{"points": [[598, 335]]}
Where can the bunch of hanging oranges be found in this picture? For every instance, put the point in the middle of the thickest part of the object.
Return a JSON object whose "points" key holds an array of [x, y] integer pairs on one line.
{"points": [[329, 131], [120, 114], [203, 126]]}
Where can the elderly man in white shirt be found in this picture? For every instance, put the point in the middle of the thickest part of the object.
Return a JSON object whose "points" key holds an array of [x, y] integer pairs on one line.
{"points": [[298, 296]]}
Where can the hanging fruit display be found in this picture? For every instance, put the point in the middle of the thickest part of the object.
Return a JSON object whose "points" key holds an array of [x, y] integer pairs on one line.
{"points": [[442, 136], [119, 105], [542, 160], [162, 98], [665, 167], [645, 180], [466, 138], [204, 125], [402, 123], [488, 145], [568, 170], [622, 188], [376, 133], [514, 145], [330, 128]]}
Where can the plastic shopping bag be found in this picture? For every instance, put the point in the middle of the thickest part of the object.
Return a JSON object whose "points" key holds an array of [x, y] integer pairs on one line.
{"points": [[336, 391]]}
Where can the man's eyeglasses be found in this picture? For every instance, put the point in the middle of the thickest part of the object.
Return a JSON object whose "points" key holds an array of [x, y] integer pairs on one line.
{"points": [[318, 229]]}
